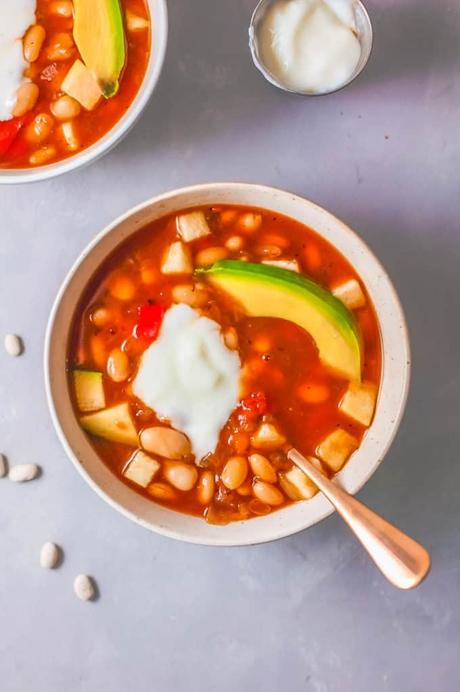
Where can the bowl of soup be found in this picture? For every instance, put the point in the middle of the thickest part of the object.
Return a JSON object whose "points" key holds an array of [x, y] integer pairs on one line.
{"points": [[74, 77], [205, 333]]}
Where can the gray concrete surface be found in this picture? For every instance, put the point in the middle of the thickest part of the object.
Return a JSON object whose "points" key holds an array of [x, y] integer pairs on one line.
{"points": [[309, 612]]}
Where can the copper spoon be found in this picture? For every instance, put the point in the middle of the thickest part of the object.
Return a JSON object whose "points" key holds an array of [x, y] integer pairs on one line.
{"points": [[401, 560]]}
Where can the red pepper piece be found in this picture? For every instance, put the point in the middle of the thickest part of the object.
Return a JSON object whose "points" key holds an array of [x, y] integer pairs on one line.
{"points": [[255, 404], [149, 322], [9, 130]]}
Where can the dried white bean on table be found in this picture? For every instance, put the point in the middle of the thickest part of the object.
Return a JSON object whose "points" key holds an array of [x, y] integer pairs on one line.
{"points": [[84, 587], [23, 472], [13, 345], [3, 466], [49, 555]]}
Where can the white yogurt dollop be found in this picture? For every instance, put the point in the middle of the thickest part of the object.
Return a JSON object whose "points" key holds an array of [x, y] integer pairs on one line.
{"points": [[15, 18], [310, 45], [190, 377]]}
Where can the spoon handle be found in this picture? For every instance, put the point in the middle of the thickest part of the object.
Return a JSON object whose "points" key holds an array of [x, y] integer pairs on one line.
{"points": [[403, 562]]}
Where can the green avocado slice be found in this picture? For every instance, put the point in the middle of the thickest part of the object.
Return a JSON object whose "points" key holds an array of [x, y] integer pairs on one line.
{"points": [[267, 291], [100, 37]]}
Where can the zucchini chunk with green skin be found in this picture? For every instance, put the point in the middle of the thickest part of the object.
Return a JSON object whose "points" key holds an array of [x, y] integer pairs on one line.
{"points": [[141, 468], [100, 37], [89, 390], [335, 449], [192, 226], [115, 424], [267, 291]]}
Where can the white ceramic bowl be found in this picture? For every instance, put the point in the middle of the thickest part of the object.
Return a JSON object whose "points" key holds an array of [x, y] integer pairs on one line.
{"points": [[363, 463], [159, 19]]}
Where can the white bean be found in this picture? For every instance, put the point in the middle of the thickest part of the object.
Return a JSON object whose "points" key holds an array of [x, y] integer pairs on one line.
{"points": [[190, 295], [63, 8], [231, 338], [162, 491], [3, 466], [267, 493], [234, 472], [40, 128], [26, 98], [181, 476], [250, 222], [205, 489], [65, 108], [13, 345], [210, 255], [70, 136], [166, 442], [33, 42], [101, 316], [84, 587], [61, 47], [49, 555], [262, 468], [234, 243], [42, 156], [118, 365], [23, 472]]}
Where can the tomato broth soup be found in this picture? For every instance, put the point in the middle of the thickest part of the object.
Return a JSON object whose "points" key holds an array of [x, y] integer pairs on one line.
{"points": [[71, 71], [210, 343]]}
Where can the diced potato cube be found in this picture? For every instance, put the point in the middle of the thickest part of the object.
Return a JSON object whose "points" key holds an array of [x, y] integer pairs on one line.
{"points": [[80, 84], [297, 485], [335, 449], [267, 436], [358, 402], [292, 265], [351, 294], [177, 259], [141, 468], [192, 226], [135, 23]]}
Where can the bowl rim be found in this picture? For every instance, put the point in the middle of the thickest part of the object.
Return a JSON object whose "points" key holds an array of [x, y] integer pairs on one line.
{"points": [[400, 357], [14, 176]]}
